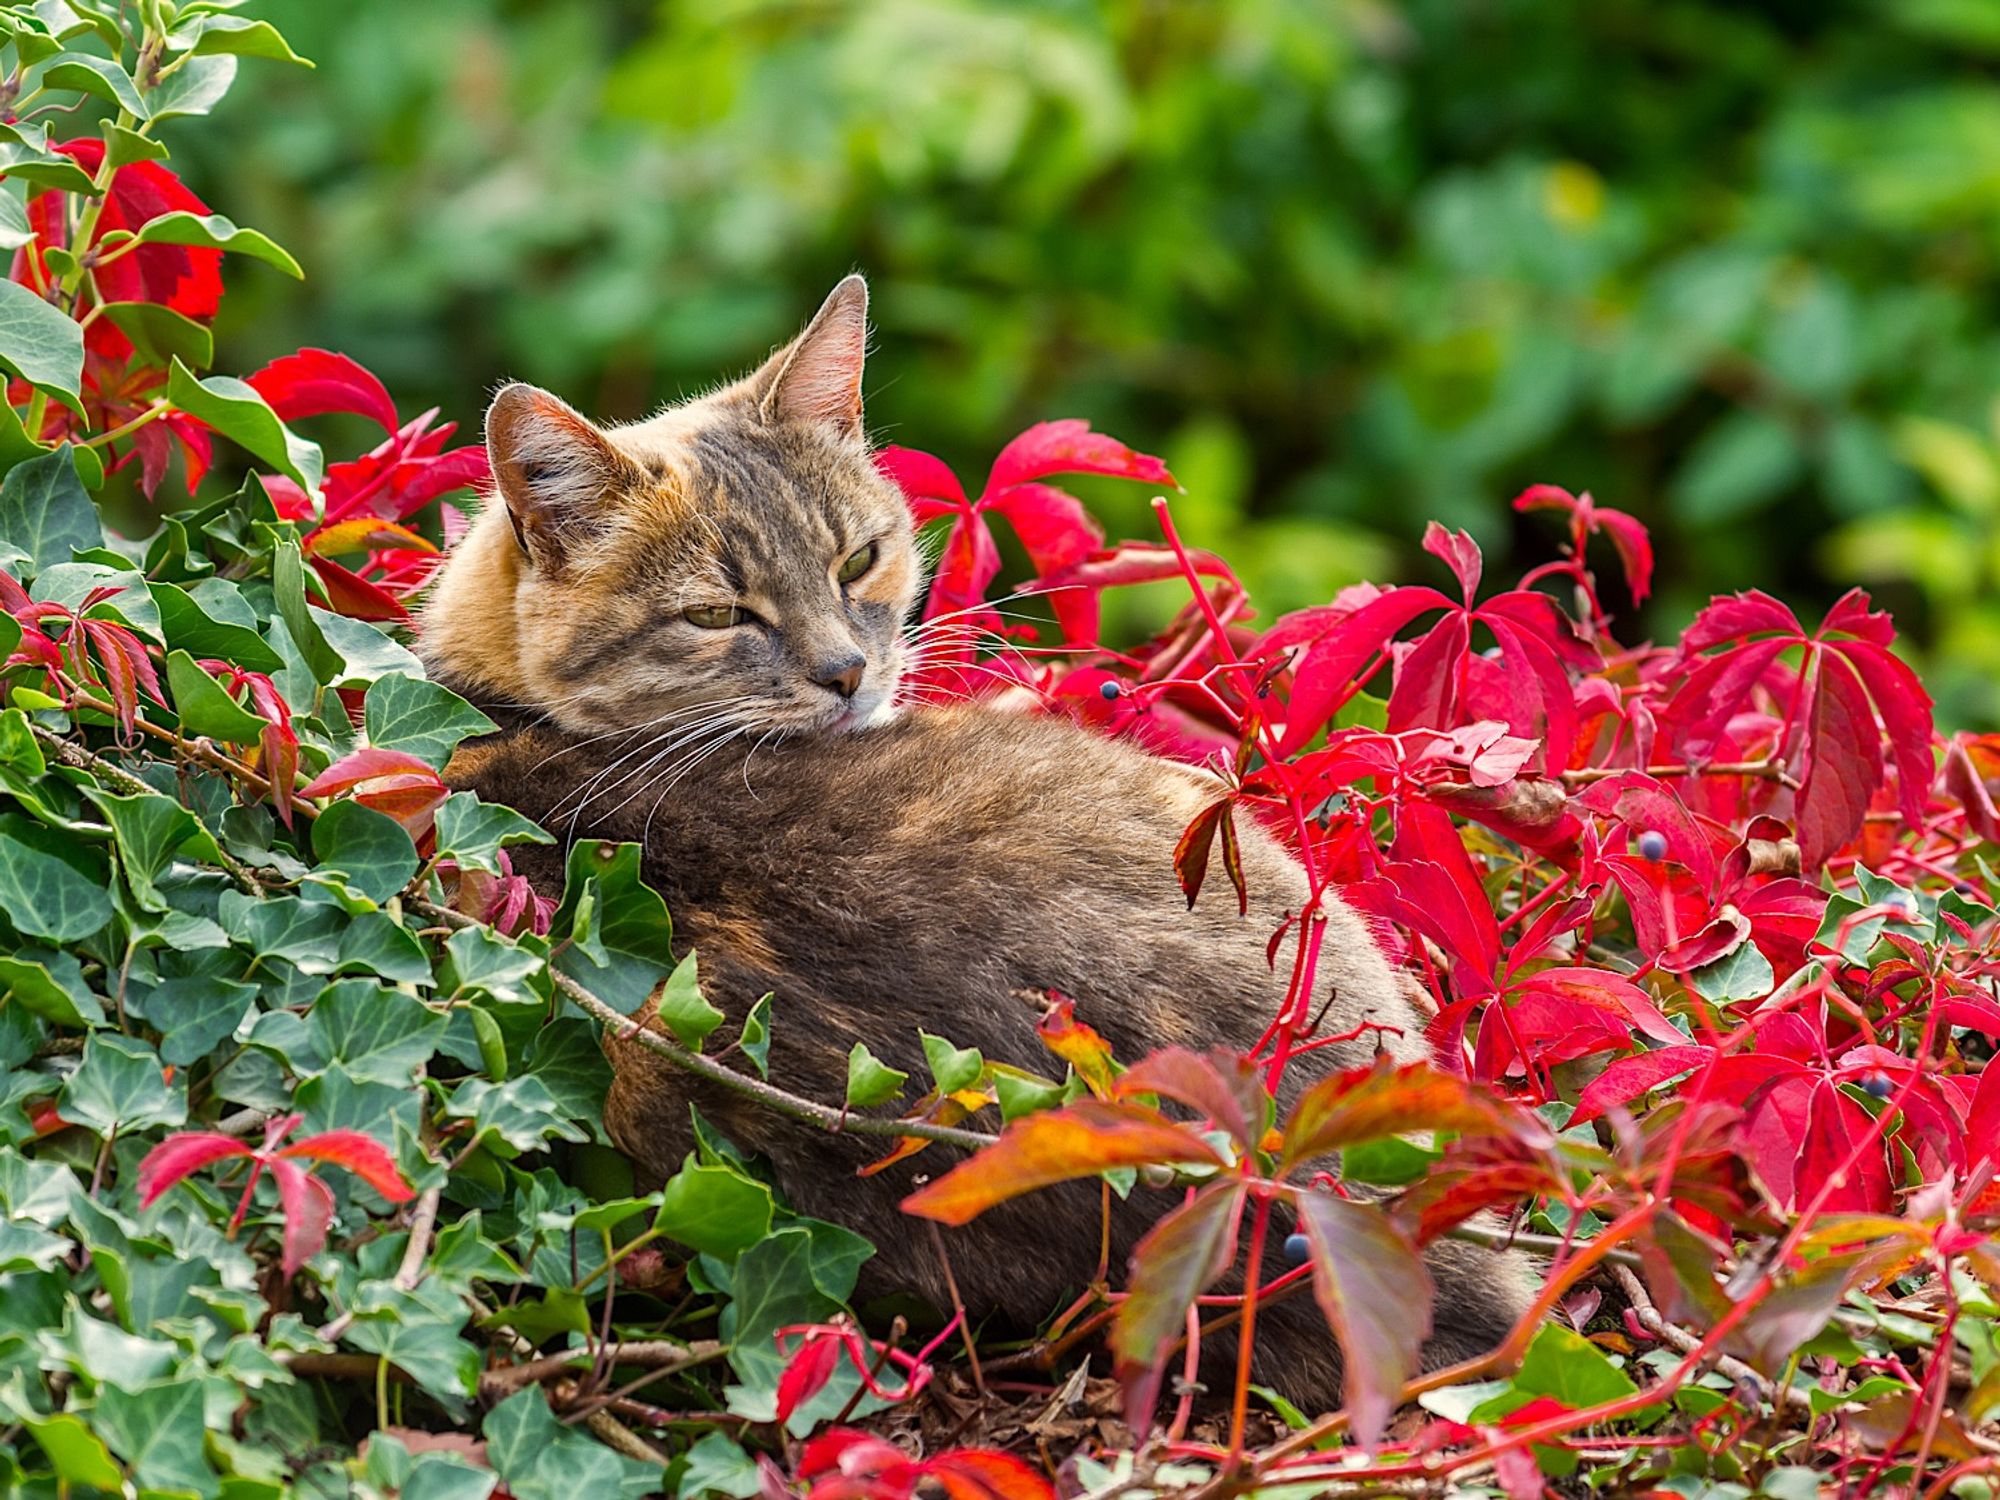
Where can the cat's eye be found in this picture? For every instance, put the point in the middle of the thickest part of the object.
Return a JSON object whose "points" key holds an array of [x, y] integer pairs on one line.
{"points": [[858, 564], [718, 616]]}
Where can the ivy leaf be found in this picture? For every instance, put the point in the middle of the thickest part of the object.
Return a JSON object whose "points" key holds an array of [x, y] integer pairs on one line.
{"points": [[518, 1115], [378, 1035], [870, 1081], [686, 1013], [148, 831], [619, 924], [44, 889], [193, 1015], [45, 511], [481, 962], [472, 832], [755, 1041], [158, 1430], [952, 1068], [370, 849], [540, 1459], [714, 1209], [120, 1085], [41, 344], [421, 718], [51, 985], [78, 1454]]}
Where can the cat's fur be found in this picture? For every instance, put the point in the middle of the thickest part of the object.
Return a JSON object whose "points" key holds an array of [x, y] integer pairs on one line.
{"points": [[919, 874]]}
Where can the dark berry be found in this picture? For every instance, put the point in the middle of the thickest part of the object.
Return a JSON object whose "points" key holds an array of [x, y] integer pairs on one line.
{"points": [[1876, 1085], [1652, 844], [1297, 1251], [1108, 691]]}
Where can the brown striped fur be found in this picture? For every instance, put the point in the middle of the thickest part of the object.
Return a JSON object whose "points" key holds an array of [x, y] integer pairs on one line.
{"points": [[918, 874]]}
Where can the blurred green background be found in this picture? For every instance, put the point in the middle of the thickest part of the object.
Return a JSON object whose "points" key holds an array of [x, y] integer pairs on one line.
{"points": [[1346, 264]]}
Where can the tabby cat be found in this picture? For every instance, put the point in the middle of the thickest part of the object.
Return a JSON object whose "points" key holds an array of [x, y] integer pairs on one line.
{"points": [[675, 621]]}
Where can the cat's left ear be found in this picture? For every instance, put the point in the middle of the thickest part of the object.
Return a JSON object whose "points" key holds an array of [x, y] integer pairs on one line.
{"points": [[817, 377]]}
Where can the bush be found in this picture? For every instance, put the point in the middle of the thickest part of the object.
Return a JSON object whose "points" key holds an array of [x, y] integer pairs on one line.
{"points": [[302, 1182]]}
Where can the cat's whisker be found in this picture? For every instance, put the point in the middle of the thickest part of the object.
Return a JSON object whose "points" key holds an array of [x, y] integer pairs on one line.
{"points": [[636, 729], [661, 744]]}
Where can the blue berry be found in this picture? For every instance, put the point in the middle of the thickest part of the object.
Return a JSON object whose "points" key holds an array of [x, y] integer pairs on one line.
{"points": [[1297, 1251], [1652, 844], [1876, 1085], [1108, 691]]}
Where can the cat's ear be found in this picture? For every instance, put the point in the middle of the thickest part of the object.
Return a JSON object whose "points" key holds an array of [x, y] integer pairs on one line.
{"points": [[817, 377], [558, 475]]}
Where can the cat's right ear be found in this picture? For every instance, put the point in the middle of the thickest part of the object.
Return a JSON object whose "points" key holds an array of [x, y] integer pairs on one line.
{"points": [[556, 472]]}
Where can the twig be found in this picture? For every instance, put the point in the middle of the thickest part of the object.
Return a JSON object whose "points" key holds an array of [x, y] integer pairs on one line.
{"points": [[658, 1354], [1655, 1322], [422, 1222], [615, 1434]]}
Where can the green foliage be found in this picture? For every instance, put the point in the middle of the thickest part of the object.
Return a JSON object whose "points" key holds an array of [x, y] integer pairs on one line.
{"points": [[1342, 266]]}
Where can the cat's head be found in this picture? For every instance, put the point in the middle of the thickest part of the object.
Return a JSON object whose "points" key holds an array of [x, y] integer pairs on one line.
{"points": [[735, 561]]}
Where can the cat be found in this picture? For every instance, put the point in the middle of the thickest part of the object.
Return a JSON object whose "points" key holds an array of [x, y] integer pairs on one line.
{"points": [[691, 631]]}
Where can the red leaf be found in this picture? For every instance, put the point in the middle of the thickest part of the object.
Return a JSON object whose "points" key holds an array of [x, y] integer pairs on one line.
{"points": [[808, 1370], [180, 1154], [1080, 1140], [966, 567], [1180, 1257], [1846, 766], [366, 765], [1630, 1077], [315, 381], [1834, 1123], [308, 1206], [1906, 710], [931, 488], [1371, 1284], [1070, 447], [360, 1154], [354, 596], [1729, 618], [1459, 552], [1328, 668]]}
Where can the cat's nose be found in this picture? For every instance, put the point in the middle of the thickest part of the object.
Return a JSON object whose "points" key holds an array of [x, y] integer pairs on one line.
{"points": [[843, 676]]}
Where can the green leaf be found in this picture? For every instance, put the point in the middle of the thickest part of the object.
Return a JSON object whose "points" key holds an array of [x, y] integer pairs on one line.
{"points": [[51, 985], [205, 706], [480, 961], [541, 1459], [756, 1038], [1564, 1366], [193, 88], [45, 512], [1744, 974], [473, 833], [869, 1080], [15, 230], [25, 153], [371, 849], [148, 830], [686, 1013], [366, 654], [235, 410], [194, 1015], [288, 586], [238, 34], [26, 1248], [162, 335], [159, 1431], [420, 718], [122, 147], [717, 1465], [619, 925], [420, 1338], [96, 76], [772, 1287], [714, 1209], [953, 1068], [519, 1115], [120, 1085], [43, 888], [214, 232], [1023, 1094], [77, 1453], [378, 1035], [41, 344]]}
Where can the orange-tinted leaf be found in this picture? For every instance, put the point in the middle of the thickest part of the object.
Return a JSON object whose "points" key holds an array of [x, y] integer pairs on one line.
{"points": [[1366, 1104], [1053, 1146], [1078, 1045], [1180, 1258], [361, 533], [1225, 1087], [1192, 851], [982, 1474], [360, 1154], [1376, 1294]]}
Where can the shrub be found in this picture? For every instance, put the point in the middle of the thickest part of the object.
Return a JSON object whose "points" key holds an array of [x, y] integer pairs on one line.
{"points": [[302, 1186]]}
